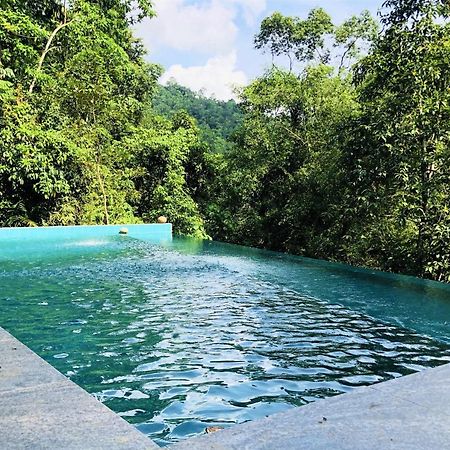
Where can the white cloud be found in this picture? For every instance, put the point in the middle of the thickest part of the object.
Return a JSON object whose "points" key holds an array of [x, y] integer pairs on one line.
{"points": [[218, 77], [251, 9], [205, 27]]}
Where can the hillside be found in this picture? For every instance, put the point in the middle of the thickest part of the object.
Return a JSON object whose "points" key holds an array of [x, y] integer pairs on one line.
{"points": [[217, 119]]}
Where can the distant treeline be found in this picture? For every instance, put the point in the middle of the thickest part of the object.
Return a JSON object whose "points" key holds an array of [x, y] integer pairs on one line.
{"points": [[341, 150], [217, 120]]}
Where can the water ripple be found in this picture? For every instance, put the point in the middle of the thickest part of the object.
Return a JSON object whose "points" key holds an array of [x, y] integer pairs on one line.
{"points": [[175, 342]]}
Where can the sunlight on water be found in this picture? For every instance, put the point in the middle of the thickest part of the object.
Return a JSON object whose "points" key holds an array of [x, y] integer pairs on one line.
{"points": [[192, 334], [87, 243]]}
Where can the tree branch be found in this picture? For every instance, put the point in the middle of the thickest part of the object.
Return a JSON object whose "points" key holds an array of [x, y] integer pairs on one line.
{"points": [[46, 50], [351, 45], [103, 191], [295, 135]]}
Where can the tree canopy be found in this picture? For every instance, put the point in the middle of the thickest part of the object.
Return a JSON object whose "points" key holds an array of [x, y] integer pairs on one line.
{"points": [[74, 91], [340, 150], [217, 120]]}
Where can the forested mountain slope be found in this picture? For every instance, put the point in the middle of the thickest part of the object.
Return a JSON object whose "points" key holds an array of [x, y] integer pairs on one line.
{"points": [[217, 119]]}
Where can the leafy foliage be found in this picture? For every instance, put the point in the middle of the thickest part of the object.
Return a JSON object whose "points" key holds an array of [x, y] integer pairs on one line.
{"points": [[400, 154], [73, 89], [217, 120], [357, 173], [163, 149], [343, 154], [315, 38], [282, 173]]}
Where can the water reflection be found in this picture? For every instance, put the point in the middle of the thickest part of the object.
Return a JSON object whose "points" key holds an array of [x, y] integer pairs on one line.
{"points": [[182, 337]]}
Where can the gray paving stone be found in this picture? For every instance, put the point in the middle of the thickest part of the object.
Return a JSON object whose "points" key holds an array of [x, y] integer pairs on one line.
{"points": [[59, 416], [41, 409], [389, 416], [428, 388], [19, 367]]}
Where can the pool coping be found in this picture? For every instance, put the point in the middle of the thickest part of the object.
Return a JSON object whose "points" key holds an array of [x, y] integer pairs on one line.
{"points": [[410, 413], [41, 408]]}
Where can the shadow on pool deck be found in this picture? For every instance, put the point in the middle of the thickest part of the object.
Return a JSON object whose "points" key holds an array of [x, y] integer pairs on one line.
{"points": [[40, 408]]}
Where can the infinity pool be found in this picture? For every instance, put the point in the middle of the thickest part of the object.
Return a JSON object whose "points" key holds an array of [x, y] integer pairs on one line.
{"points": [[190, 334]]}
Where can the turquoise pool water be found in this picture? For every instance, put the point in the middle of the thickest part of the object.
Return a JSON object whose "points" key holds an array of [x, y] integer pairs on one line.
{"points": [[189, 334]]}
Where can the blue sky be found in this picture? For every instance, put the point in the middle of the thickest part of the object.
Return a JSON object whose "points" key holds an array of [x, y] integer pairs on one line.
{"points": [[208, 44]]}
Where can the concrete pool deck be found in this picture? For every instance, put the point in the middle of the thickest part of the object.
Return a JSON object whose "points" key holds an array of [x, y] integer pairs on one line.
{"points": [[410, 413], [40, 408]]}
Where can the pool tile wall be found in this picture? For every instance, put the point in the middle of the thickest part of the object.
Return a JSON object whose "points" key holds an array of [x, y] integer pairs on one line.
{"points": [[139, 231]]}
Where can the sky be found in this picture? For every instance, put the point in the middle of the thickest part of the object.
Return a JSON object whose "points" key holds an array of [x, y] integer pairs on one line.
{"points": [[208, 44]]}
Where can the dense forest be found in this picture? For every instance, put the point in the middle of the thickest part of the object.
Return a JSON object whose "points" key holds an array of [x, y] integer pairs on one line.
{"points": [[341, 150], [217, 120]]}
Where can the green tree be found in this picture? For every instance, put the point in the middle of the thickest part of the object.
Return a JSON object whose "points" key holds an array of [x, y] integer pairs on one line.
{"points": [[400, 153], [74, 83], [217, 120], [163, 149], [296, 38], [316, 38], [283, 176], [284, 179]]}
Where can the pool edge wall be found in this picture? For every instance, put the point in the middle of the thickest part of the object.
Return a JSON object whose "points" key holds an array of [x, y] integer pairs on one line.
{"points": [[152, 232]]}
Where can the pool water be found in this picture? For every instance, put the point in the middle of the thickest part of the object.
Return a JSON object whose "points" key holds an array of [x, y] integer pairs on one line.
{"points": [[191, 334]]}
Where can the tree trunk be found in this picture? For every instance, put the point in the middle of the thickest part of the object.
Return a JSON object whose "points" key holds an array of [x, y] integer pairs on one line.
{"points": [[102, 189], [46, 50]]}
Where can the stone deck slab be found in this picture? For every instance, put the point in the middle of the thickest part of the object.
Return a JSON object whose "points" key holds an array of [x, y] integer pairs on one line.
{"points": [[409, 413], [42, 409]]}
